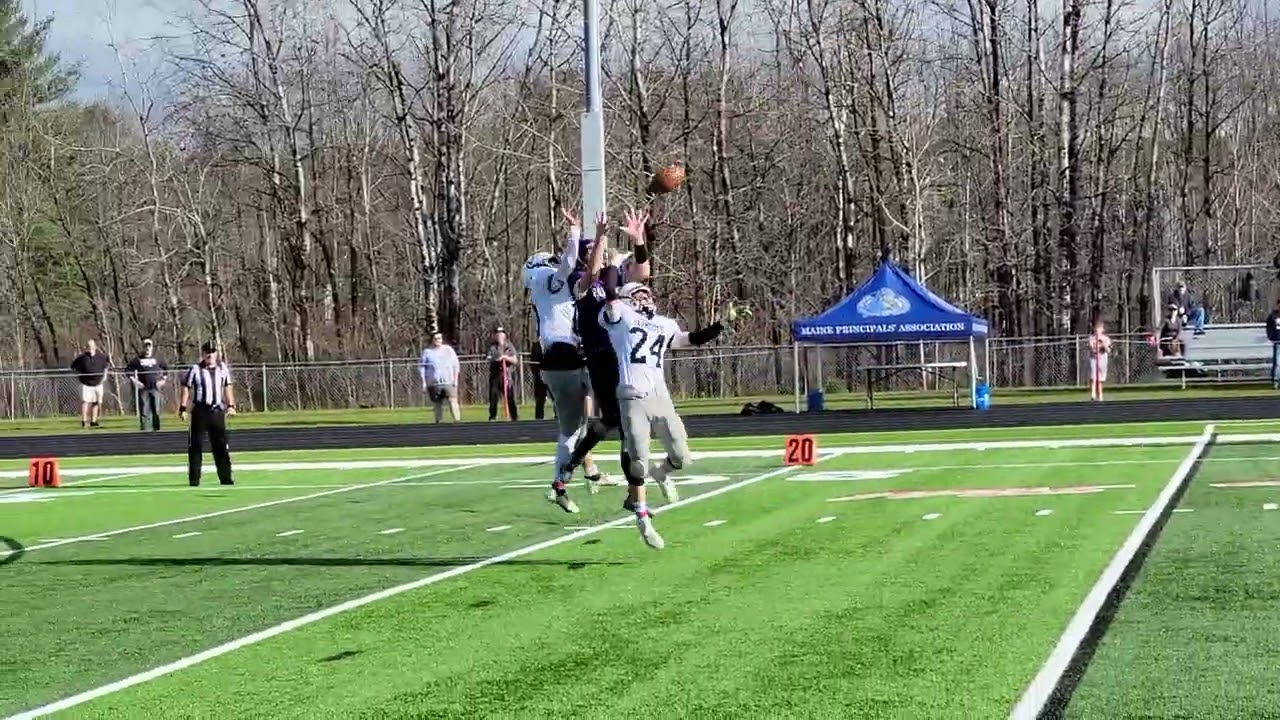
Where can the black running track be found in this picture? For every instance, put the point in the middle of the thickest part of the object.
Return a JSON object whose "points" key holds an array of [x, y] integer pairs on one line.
{"points": [[88, 443]]}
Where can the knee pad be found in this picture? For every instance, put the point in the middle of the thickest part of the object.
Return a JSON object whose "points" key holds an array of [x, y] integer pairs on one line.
{"points": [[633, 470]]}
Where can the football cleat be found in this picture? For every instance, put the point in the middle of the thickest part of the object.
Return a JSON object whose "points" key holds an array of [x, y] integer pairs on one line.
{"points": [[660, 472], [669, 491], [597, 481], [649, 533], [562, 501]]}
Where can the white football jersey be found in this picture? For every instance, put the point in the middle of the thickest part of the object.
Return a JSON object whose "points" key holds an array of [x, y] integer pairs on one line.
{"points": [[640, 344], [552, 299]]}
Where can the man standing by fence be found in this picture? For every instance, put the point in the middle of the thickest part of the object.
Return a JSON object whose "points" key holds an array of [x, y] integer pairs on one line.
{"points": [[147, 373], [502, 359], [439, 369], [539, 386], [1273, 334], [90, 368]]}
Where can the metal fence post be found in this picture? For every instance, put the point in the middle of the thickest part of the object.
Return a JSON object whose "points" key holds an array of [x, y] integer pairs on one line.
{"points": [[391, 385], [265, 405]]}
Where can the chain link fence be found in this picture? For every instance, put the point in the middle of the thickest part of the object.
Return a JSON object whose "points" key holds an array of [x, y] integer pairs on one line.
{"points": [[746, 372]]}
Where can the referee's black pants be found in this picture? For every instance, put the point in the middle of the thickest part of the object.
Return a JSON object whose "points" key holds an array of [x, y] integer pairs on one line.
{"points": [[211, 421]]}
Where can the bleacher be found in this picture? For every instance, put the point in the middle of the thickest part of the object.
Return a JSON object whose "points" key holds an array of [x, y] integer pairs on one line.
{"points": [[1222, 352]]}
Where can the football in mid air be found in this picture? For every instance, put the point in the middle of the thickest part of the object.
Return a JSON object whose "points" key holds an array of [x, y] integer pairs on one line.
{"points": [[667, 179]]}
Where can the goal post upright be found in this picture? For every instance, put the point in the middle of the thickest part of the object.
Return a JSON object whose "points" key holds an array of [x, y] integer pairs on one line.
{"points": [[592, 131]]}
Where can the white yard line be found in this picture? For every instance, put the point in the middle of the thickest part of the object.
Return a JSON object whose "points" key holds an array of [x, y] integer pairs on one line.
{"points": [[243, 508], [312, 618], [72, 483], [704, 455], [1043, 685]]}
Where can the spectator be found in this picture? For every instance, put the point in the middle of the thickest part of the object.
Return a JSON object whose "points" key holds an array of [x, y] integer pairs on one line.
{"points": [[1170, 342], [1099, 351], [1273, 334], [147, 373], [502, 359], [1191, 312], [539, 387], [90, 368], [439, 370]]}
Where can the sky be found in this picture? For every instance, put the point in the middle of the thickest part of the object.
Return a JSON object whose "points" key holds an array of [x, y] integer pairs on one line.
{"points": [[83, 32]]}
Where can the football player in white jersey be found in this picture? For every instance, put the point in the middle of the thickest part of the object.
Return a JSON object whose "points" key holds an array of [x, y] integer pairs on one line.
{"points": [[547, 278], [641, 338]]}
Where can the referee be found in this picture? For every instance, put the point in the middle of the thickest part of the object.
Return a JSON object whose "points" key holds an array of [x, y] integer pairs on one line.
{"points": [[207, 387]]}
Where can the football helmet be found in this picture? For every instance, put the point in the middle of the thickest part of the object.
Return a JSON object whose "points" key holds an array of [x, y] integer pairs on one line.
{"points": [[536, 262], [638, 296]]}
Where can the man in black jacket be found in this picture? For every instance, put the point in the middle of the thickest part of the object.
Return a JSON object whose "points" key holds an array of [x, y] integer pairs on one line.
{"points": [[539, 387], [147, 373], [90, 368], [503, 359], [1273, 334]]}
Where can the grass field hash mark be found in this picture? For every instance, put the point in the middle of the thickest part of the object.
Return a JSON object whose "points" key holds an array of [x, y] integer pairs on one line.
{"points": [[240, 509], [826, 519], [288, 533], [391, 531], [180, 536], [309, 619]]}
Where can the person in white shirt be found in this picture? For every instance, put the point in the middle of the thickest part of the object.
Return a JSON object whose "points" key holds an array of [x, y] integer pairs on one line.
{"points": [[640, 339], [439, 368], [1099, 351]]}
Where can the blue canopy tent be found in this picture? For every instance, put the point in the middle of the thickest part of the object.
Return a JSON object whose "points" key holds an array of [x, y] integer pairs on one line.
{"points": [[889, 307]]}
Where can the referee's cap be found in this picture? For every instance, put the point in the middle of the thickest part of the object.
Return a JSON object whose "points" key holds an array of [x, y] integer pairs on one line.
{"points": [[208, 347]]}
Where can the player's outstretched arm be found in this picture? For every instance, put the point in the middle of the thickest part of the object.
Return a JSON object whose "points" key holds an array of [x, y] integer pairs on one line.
{"points": [[708, 333], [569, 254], [596, 260], [637, 228]]}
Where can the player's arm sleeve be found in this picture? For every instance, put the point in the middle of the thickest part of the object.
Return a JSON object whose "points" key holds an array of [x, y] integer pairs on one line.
{"points": [[422, 366], [697, 337], [569, 254]]}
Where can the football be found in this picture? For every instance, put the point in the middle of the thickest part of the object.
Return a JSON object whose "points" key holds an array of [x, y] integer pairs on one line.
{"points": [[666, 179]]}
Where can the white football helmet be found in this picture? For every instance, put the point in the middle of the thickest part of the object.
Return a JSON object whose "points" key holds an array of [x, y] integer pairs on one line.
{"points": [[535, 262], [638, 296]]}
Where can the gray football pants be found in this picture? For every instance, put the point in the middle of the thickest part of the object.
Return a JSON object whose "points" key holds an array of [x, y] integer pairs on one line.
{"points": [[568, 390], [646, 416]]}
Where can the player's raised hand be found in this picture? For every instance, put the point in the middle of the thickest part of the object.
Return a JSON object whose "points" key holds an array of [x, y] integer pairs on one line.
{"points": [[602, 226], [634, 228], [570, 217]]}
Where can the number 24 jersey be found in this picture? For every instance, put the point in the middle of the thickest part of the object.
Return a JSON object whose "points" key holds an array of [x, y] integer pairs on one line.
{"points": [[640, 344]]}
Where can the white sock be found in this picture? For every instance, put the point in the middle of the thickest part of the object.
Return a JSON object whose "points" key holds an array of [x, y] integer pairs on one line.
{"points": [[590, 468]]}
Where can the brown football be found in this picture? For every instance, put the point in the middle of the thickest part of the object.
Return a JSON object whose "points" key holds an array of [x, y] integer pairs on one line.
{"points": [[667, 179]]}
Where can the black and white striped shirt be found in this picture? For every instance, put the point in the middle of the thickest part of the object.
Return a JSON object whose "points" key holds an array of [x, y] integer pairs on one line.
{"points": [[208, 385]]}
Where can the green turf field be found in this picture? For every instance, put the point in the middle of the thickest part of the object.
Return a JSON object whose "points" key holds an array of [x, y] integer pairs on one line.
{"points": [[887, 581], [1195, 637]]}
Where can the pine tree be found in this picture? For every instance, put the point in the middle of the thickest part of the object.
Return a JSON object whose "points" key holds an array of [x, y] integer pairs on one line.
{"points": [[29, 76]]}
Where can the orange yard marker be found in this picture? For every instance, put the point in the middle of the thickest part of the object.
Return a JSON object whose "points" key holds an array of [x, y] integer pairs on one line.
{"points": [[43, 472], [799, 450]]}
